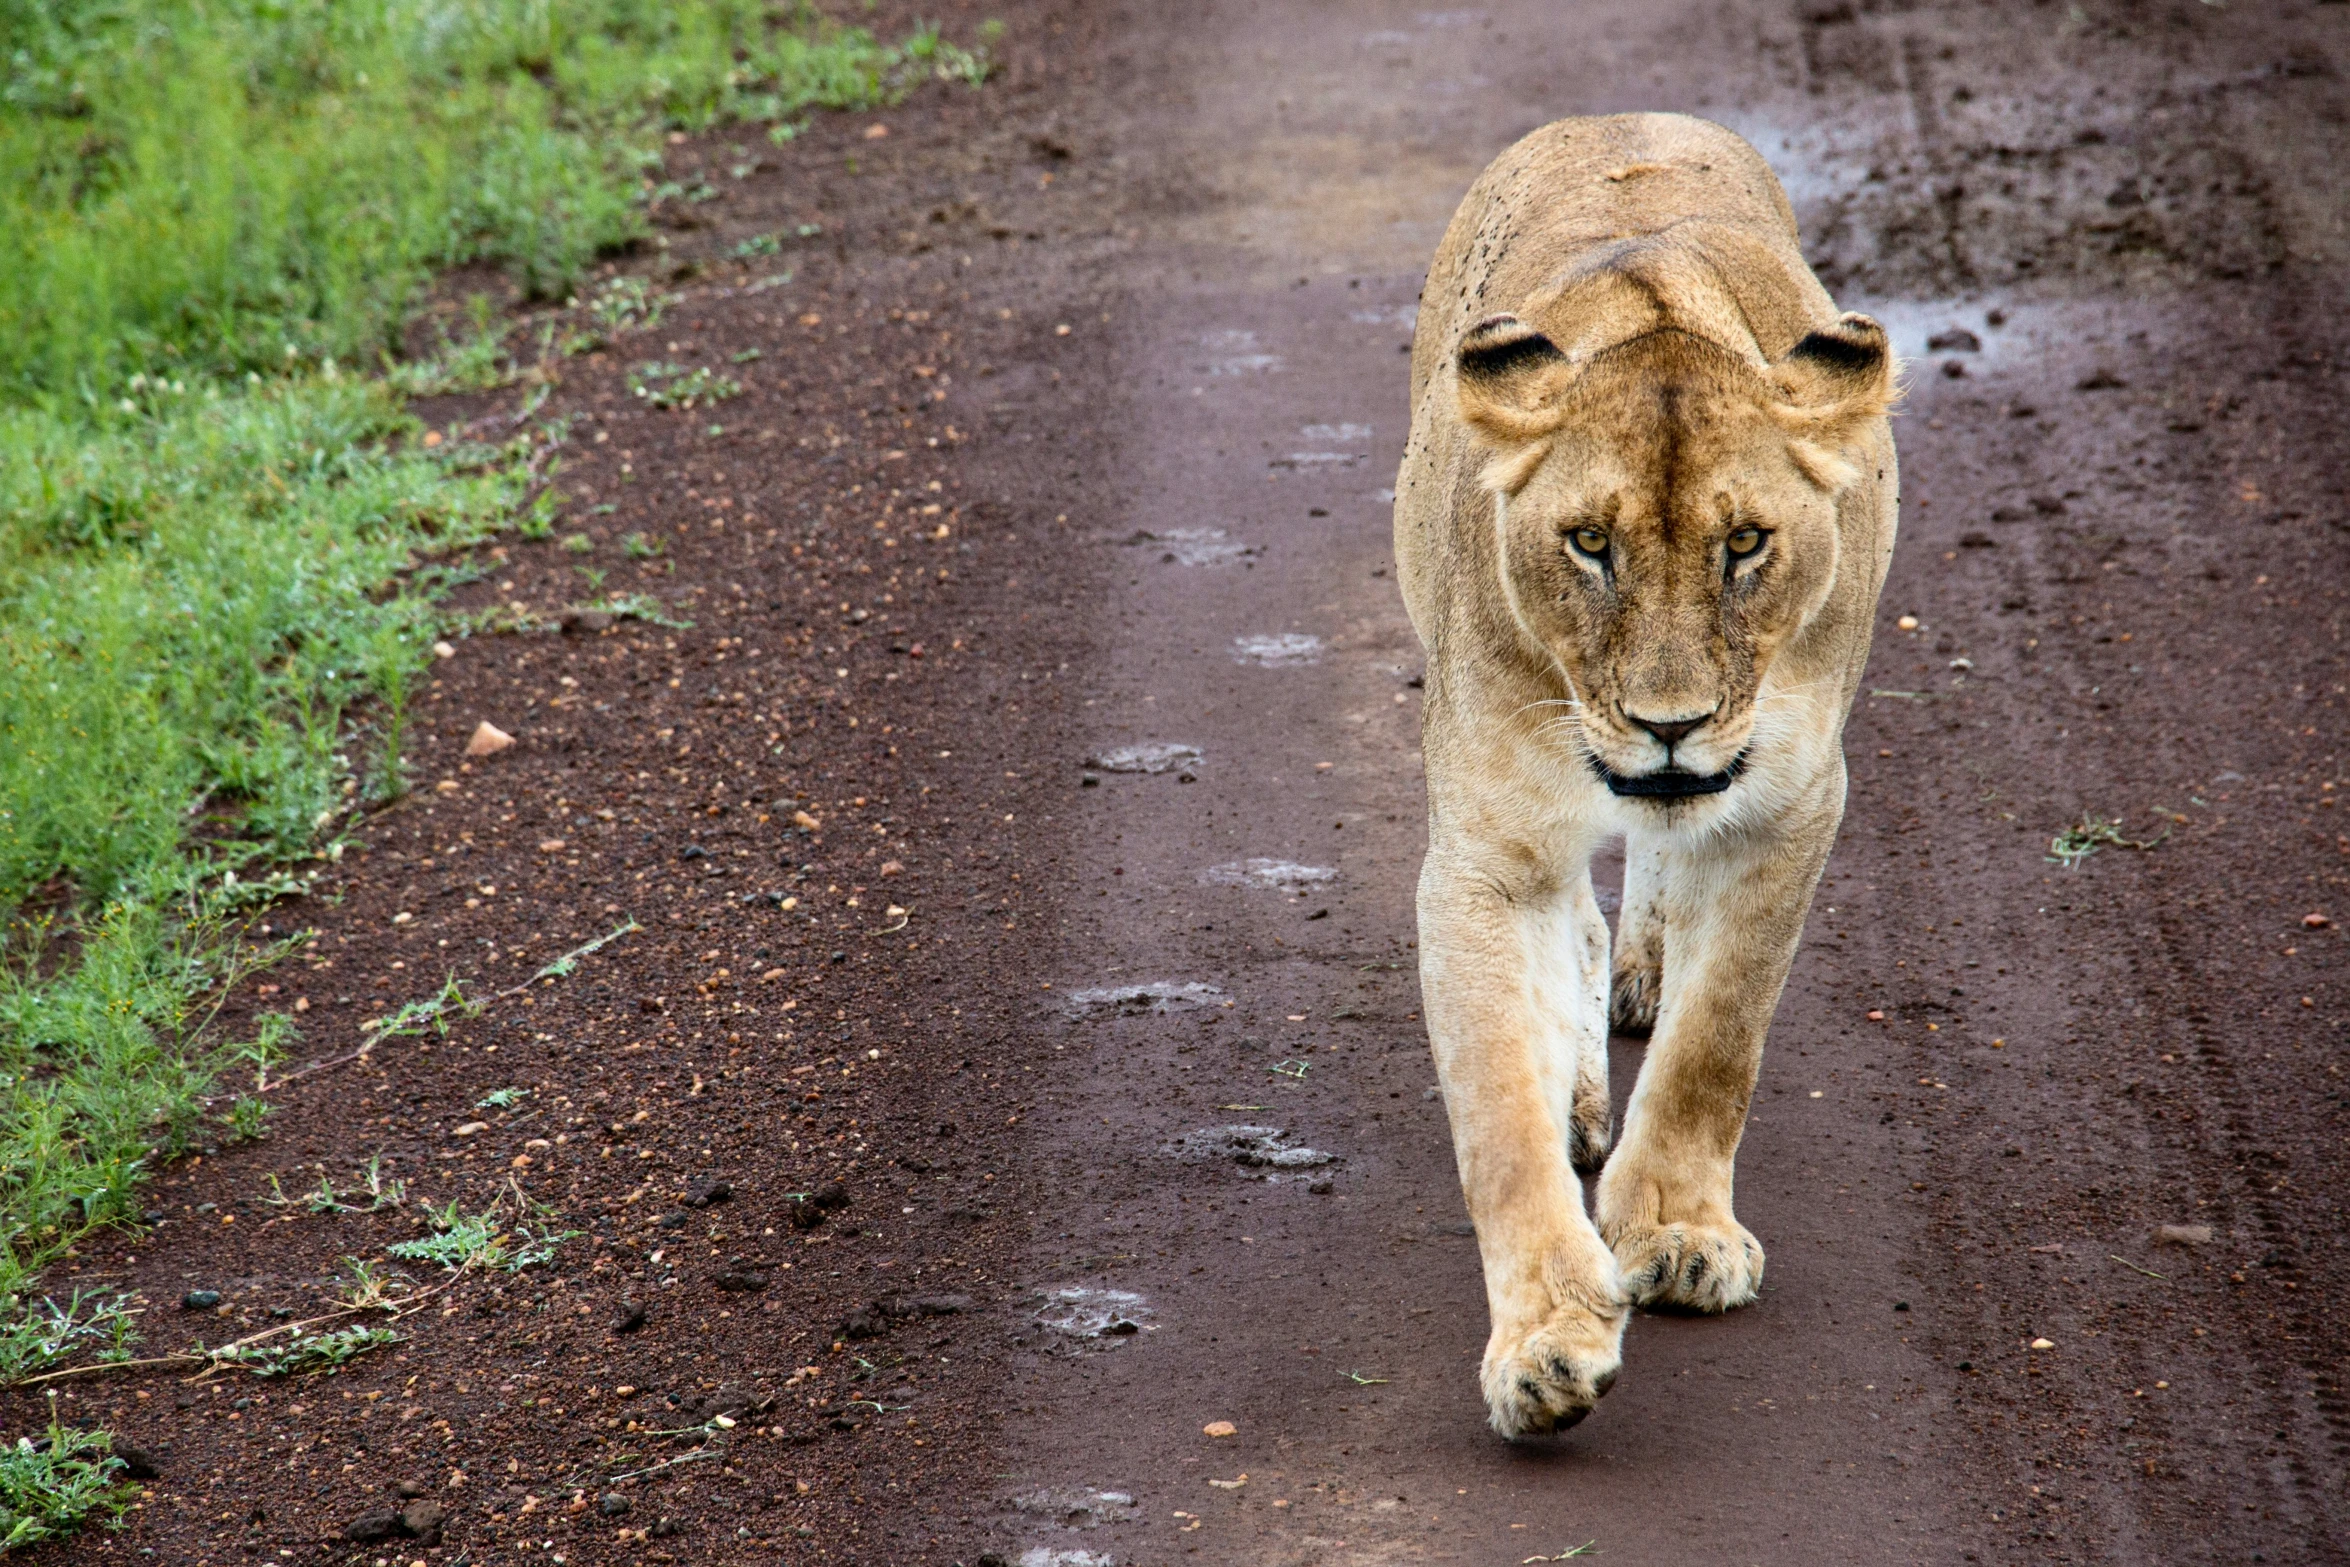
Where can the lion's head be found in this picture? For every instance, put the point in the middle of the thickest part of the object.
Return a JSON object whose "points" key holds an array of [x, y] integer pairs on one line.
{"points": [[1668, 522]]}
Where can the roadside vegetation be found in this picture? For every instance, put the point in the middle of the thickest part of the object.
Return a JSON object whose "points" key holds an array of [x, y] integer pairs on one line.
{"points": [[222, 538]]}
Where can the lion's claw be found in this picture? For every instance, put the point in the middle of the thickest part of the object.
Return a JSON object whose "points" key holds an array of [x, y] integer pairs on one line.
{"points": [[1697, 1267], [1549, 1379]]}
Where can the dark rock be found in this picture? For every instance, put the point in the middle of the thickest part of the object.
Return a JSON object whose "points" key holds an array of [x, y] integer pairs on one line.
{"points": [[992, 1559], [805, 1215], [586, 620], [707, 1190], [866, 1322], [421, 1521], [742, 1278], [1321, 1186], [373, 1527], [671, 1221], [137, 1462], [612, 1504], [832, 1196], [628, 1318], [666, 1527], [200, 1300], [1956, 340]]}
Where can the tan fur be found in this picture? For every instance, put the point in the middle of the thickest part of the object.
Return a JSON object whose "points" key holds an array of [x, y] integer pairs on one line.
{"points": [[1619, 334]]}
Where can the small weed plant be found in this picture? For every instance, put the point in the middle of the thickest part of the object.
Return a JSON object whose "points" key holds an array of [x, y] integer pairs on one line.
{"points": [[2090, 834], [486, 1240], [52, 1485], [665, 385]]}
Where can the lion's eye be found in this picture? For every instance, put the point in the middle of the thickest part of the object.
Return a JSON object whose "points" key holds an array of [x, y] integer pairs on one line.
{"points": [[1745, 542], [1591, 541]]}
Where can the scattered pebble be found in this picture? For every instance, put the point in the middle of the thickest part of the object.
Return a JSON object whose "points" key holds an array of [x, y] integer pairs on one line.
{"points": [[612, 1504], [488, 740], [2182, 1235], [200, 1300], [1218, 1428]]}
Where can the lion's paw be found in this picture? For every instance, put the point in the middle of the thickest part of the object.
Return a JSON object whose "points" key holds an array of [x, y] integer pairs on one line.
{"points": [[1590, 1129], [1633, 995], [1549, 1378], [1695, 1267]]}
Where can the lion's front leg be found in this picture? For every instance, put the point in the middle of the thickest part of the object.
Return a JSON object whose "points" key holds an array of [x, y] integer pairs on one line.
{"points": [[1515, 991], [1732, 916]]}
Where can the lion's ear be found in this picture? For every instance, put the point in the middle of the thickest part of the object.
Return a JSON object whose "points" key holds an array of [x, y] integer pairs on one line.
{"points": [[1835, 382], [1510, 375]]}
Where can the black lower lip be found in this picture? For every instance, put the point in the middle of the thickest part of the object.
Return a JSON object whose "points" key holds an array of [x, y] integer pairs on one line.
{"points": [[1671, 784]]}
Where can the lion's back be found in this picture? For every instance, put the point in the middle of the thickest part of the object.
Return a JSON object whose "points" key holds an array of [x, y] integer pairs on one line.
{"points": [[1574, 185]]}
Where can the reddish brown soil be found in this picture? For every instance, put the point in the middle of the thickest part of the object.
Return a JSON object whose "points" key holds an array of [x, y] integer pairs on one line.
{"points": [[2122, 543], [873, 649]]}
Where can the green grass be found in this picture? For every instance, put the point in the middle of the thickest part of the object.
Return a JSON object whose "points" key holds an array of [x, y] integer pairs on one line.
{"points": [[233, 184], [222, 547]]}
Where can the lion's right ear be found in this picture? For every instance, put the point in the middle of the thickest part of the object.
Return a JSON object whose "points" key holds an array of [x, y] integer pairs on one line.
{"points": [[1510, 378]]}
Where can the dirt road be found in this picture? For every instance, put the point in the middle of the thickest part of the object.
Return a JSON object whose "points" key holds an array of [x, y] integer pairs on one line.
{"points": [[1113, 1046], [2120, 594]]}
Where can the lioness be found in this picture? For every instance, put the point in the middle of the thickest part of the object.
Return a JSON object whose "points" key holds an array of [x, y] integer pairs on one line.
{"points": [[1647, 507]]}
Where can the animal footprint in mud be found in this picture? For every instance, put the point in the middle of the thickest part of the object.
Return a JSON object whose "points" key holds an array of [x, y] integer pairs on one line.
{"points": [[1149, 756], [1266, 875], [1285, 651], [1250, 1147], [1164, 995], [1080, 1317]]}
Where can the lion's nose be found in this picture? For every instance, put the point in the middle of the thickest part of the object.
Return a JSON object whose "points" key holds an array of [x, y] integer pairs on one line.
{"points": [[1670, 730]]}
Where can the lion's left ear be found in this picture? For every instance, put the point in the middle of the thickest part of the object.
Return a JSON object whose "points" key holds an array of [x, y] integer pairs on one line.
{"points": [[1835, 383], [1510, 376]]}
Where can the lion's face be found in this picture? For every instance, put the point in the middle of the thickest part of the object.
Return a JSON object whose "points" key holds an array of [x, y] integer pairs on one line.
{"points": [[1668, 523]]}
